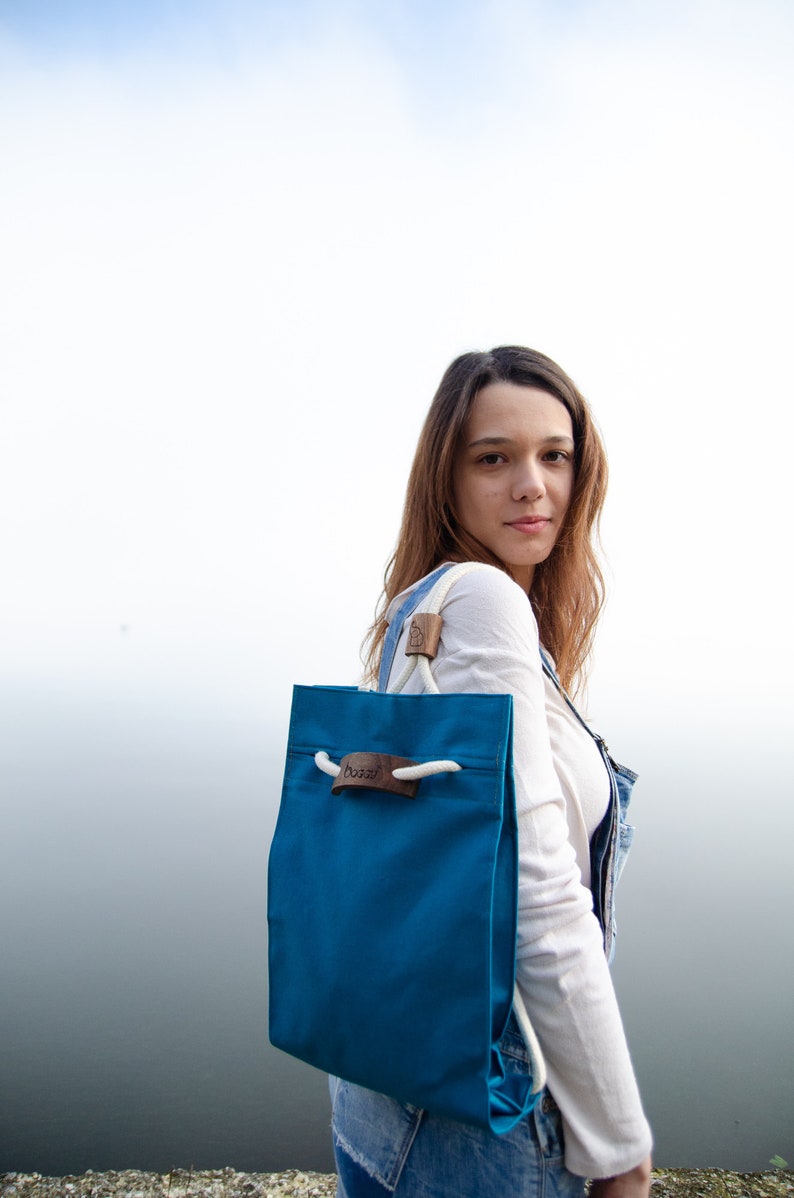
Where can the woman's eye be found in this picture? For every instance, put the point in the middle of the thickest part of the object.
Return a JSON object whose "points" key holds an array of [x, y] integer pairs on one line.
{"points": [[491, 459], [556, 455]]}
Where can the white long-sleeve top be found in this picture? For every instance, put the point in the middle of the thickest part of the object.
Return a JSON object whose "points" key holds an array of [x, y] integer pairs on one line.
{"points": [[489, 643]]}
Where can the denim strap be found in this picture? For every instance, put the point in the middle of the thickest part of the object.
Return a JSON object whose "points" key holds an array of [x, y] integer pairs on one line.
{"points": [[604, 842], [548, 668]]}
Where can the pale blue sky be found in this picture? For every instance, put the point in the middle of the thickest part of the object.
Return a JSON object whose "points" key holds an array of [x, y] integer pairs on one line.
{"points": [[241, 242]]}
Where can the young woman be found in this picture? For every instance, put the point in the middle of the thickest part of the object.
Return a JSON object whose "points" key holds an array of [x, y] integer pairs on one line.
{"points": [[510, 471]]}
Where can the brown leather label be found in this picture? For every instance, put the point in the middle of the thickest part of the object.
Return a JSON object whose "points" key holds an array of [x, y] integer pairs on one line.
{"points": [[424, 635], [373, 771]]}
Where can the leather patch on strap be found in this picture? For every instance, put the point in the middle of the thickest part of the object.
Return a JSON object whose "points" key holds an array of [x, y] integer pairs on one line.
{"points": [[373, 771], [424, 635]]}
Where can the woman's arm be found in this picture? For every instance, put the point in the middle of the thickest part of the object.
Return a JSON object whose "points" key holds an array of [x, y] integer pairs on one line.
{"points": [[634, 1184], [490, 644]]}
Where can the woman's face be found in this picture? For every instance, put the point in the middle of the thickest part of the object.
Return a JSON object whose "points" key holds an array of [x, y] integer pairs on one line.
{"points": [[514, 474]]}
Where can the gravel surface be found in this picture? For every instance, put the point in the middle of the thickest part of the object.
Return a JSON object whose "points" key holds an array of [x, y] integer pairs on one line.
{"points": [[228, 1183], [179, 1183]]}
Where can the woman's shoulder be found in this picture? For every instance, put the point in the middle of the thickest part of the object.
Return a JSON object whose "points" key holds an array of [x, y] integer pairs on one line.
{"points": [[487, 621], [488, 582], [475, 580], [489, 598], [478, 598]]}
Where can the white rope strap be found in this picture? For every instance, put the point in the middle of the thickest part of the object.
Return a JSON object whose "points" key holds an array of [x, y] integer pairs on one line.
{"points": [[432, 606], [420, 662], [536, 1062], [406, 773], [410, 666], [435, 600]]}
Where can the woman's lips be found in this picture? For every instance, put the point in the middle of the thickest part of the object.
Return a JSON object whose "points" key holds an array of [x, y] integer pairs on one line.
{"points": [[529, 524]]}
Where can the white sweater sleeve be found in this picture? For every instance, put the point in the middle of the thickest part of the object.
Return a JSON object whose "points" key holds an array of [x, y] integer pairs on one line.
{"points": [[490, 644]]}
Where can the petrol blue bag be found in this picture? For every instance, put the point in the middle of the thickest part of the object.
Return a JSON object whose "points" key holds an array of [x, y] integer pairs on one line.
{"points": [[392, 919]]}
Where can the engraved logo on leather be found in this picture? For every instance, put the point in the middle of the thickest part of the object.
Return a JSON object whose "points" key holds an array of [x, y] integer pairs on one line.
{"points": [[374, 771]]}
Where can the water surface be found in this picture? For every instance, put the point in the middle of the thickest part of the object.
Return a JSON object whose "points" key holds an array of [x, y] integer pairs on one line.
{"points": [[133, 1022]]}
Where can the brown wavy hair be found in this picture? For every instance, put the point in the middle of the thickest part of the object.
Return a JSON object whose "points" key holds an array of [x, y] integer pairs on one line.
{"points": [[567, 591]]}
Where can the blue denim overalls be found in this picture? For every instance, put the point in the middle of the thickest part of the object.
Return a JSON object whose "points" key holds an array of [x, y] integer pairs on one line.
{"points": [[611, 841], [376, 1143]]}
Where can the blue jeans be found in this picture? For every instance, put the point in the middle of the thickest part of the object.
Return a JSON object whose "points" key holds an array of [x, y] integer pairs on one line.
{"points": [[384, 1147]]}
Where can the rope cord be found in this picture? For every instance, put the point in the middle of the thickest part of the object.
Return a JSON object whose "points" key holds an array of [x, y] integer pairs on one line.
{"points": [[406, 773], [324, 763]]}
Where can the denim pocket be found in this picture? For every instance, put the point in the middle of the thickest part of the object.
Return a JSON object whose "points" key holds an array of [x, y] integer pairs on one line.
{"points": [[513, 1049], [373, 1131], [625, 838]]}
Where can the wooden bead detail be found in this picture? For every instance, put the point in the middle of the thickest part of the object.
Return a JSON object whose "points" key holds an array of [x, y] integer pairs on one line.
{"points": [[373, 771], [424, 635]]}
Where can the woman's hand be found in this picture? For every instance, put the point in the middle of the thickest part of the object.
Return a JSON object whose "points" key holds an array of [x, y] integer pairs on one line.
{"points": [[634, 1184]]}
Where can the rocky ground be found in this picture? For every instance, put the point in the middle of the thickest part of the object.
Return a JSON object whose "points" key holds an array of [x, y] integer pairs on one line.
{"points": [[228, 1183]]}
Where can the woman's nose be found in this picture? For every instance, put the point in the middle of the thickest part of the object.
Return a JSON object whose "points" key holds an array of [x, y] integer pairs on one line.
{"points": [[529, 483]]}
